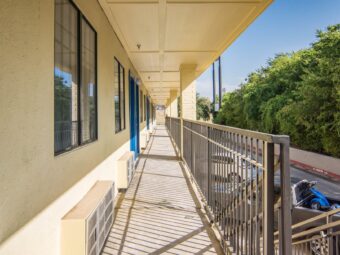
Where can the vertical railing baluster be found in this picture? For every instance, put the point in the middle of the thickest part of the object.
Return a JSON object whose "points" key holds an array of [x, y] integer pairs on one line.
{"points": [[285, 229], [237, 183], [268, 200], [209, 166]]}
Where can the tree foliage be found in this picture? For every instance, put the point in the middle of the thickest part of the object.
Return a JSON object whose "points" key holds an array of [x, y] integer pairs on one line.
{"points": [[203, 108], [297, 94]]}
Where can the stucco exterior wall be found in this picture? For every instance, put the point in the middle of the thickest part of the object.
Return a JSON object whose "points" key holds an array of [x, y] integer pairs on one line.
{"points": [[32, 179], [188, 91]]}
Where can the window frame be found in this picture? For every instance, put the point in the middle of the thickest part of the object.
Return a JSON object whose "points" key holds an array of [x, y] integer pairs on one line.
{"points": [[145, 107], [120, 67], [80, 17], [141, 106]]}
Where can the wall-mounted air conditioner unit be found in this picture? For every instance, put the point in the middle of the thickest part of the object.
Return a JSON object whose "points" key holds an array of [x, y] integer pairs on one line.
{"points": [[144, 138], [150, 128], [147, 135], [85, 228], [125, 170]]}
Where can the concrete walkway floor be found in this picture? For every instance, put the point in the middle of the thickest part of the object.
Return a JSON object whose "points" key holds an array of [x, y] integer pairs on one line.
{"points": [[158, 213]]}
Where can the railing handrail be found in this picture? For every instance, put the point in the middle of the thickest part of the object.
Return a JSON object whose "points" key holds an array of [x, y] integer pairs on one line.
{"points": [[313, 219], [283, 139], [177, 118], [318, 217], [202, 138], [311, 231]]}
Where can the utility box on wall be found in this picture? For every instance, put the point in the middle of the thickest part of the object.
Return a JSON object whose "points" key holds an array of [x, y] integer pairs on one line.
{"points": [[144, 138], [124, 171], [85, 227]]}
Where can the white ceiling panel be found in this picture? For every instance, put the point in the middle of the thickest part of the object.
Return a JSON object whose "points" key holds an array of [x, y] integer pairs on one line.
{"points": [[175, 32], [150, 76], [204, 26], [146, 62], [163, 84], [138, 24], [173, 60], [171, 76]]}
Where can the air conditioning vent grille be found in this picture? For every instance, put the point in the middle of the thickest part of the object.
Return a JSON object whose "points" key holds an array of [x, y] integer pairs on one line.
{"points": [[108, 210], [94, 251], [92, 240], [94, 215], [101, 222], [101, 208], [102, 239], [92, 223], [108, 198], [108, 224]]}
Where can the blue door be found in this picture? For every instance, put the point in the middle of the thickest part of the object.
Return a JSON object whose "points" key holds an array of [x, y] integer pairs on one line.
{"points": [[137, 118], [134, 116], [147, 113]]}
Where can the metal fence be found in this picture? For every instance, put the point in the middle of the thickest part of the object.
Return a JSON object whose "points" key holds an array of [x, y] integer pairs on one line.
{"points": [[319, 235], [235, 169], [174, 126]]}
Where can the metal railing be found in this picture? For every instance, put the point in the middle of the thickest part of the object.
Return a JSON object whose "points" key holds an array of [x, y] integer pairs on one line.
{"points": [[234, 170], [174, 125], [319, 235]]}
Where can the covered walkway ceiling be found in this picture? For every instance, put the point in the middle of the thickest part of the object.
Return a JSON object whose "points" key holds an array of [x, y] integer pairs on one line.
{"points": [[160, 35]]}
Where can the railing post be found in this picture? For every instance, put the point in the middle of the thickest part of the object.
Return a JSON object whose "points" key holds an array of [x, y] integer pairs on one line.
{"points": [[329, 240], [268, 200], [209, 166], [285, 228], [181, 139], [170, 121]]}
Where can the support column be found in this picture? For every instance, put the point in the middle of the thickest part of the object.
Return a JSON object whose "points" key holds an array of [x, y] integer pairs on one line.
{"points": [[187, 96], [173, 103], [188, 91], [167, 108]]}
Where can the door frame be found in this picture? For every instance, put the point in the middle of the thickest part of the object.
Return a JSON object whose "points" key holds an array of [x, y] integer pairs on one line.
{"points": [[134, 115]]}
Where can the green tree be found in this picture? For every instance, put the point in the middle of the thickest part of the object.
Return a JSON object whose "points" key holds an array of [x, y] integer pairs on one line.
{"points": [[203, 107], [296, 94]]}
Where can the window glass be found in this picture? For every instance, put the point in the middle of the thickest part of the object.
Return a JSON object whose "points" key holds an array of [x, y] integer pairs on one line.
{"points": [[119, 96], [122, 97], [88, 83], [75, 89], [116, 95], [65, 77]]}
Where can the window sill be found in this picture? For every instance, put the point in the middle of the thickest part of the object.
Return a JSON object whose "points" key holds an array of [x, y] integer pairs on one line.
{"points": [[66, 152], [120, 131]]}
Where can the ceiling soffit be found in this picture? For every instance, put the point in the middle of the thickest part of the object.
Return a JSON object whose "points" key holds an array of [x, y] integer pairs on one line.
{"points": [[161, 35]]}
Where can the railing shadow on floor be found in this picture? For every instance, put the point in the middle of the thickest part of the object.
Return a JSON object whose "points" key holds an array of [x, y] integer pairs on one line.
{"points": [[157, 213], [234, 171]]}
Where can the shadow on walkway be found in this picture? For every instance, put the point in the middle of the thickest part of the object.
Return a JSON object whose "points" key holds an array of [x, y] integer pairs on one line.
{"points": [[158, 214]]}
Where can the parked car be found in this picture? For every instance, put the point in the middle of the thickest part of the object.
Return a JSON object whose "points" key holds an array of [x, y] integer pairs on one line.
{"points": [[232, 170]]}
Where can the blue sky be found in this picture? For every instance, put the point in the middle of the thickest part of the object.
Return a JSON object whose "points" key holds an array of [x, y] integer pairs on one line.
{"points": [[285, 26]]}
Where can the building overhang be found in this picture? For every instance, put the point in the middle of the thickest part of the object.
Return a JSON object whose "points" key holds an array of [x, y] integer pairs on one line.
{"points": [[161, 35]]}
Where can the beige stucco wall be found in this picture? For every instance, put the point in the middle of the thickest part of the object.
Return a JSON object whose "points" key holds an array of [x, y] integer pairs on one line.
{"points": [[188, 91], [32, 179], [173, 103]]}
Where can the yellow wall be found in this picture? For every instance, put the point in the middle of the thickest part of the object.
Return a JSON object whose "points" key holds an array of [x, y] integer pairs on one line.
{"points": [[188, 91], [32, 179]]}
